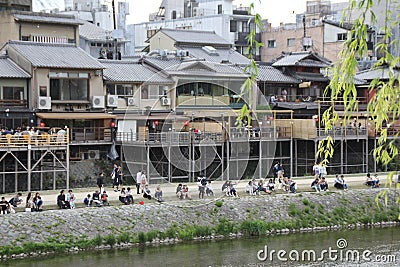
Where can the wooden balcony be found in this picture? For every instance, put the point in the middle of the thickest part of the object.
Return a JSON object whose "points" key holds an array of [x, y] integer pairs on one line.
{"points": [[90, 135], [25, 140]]}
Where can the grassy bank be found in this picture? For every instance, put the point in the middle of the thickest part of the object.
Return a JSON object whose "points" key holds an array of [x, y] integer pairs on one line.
{"points": [[301, 213]]}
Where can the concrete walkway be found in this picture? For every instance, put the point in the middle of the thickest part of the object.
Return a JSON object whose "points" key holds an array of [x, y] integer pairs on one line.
{"points": [[303, 183]]}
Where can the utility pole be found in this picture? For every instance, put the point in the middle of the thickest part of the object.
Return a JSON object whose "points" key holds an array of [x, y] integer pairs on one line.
{"points": [[115, 54], [304, 32]]}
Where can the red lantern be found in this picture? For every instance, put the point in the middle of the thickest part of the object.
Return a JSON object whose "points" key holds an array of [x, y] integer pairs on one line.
{"points": [[42, 124], [141, 202], [112, 124], [155, 123], [187, 123]]}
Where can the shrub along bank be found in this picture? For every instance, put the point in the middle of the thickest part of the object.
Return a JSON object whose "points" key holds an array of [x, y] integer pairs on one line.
{"points": [[58, 231]]}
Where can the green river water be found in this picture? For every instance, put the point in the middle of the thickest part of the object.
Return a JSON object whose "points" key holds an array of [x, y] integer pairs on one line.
{"points": [[374, 247]]}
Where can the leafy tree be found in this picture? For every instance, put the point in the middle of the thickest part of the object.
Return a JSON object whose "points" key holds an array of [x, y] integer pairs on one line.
{"points": [[384, 107]]}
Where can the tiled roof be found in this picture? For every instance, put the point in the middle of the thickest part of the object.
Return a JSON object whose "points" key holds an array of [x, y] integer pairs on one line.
{"points": [[46, 18], [310, 76], [8, 69], [205, 68], [380, 73], [195, 37], [91, 32], [66, 56], [307, 58], [270, 74], [162, 64], [130, 71], [221, 54]]}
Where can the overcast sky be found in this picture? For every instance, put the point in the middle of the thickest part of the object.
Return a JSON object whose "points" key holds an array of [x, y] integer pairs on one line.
{"points": [[275, 11]]}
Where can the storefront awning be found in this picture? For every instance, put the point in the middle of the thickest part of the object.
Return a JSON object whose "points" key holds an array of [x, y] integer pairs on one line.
{"points": [[74, 116]]}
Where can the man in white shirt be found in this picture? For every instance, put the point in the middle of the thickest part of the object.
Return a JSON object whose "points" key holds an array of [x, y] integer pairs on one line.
{"points": [[138, 181]]}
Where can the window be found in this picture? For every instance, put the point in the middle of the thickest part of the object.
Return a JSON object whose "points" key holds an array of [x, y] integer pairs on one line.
{"points": [[245, 26], [152, 91], [271, 43], [233, 26], [69, 86], [150, 33], [13, 93], [342, 36], [291, 42], [219, 9], [120, 89]]}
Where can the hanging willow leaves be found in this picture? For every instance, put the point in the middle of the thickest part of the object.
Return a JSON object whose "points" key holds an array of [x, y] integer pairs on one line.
{"points": [[383, 109], [252, 69]]}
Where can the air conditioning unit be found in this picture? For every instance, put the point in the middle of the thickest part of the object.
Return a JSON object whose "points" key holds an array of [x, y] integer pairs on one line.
{"points": [[166, 101], [93, 154], [44, 102], [112, 101], [98, 101], [131, 101]]}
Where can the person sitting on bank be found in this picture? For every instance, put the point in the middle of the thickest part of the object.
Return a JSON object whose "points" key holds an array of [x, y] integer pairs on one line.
{"points": [[376, 180], [147, 192], [16, 200], [292, 186], [323, 184], [316, 185], [339, 182], [122, 196], [185, 192], [87, 201], [4, 205], [37, 202], [158, 194], [61, 202], [104, 199], [271, 185], [129, 195], [96, 199], [369, 181], [262, 187], [179, 191]]}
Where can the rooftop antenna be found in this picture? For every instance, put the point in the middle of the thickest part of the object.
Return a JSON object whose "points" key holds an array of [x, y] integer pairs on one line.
{"points": [[304, 32]]}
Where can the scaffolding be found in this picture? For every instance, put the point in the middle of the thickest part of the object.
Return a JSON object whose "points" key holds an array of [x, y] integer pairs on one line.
{"points": [[27, 157]]}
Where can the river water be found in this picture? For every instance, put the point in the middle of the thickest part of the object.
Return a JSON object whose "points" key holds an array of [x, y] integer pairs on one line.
{"points": [[367, 247]]}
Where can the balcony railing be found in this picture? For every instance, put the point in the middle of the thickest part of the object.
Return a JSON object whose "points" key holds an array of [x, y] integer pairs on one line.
{"points": [[271, 132], [25, 140], [13, 103], [91, 134], [169, 137], [343, 131]]}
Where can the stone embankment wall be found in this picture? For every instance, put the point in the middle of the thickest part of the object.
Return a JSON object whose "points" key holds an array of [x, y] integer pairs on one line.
{"points": [[282, 212]]}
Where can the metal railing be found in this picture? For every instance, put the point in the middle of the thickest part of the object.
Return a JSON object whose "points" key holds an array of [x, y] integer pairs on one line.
{"points": [[270, 132], [90, 134], [169, 137], [342, 132], [13, 103]]}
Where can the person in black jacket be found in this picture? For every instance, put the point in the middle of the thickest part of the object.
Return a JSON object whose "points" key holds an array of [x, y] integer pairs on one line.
{"points": [[61, 202], [100, 181]]}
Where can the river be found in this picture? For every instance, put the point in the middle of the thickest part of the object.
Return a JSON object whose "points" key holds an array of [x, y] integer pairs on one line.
{"points": [[372, 247]]}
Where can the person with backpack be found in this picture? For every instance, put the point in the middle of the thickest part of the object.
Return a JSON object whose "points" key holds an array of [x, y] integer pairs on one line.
{"points": [[202, 182], [15, 201], [100, 182]]}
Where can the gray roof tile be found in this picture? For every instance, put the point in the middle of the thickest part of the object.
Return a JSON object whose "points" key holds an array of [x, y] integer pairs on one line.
{"points": [[195, 37], [46, 18], [273, 75], [222, 54], [130, 71], [8, 69], [65, 56], [304, 58], [380, 73], [91, 32]]}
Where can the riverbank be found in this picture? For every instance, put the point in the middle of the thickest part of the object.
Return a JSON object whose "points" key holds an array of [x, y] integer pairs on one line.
{"points": [[30, 234]]}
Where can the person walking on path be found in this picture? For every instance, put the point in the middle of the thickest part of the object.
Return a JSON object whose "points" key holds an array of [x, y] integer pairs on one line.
{"points": [[113, 174], [138, 181], [100, 181]]}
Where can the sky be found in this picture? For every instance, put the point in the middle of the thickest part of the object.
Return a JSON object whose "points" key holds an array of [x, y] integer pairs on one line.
{"points": [[275, 11]]}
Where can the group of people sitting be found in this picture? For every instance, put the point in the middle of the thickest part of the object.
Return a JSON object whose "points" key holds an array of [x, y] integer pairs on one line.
{"points": [[229, 189], [373, 182], [33, 203], [182, 192], [255, 188], [66, 201]]}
